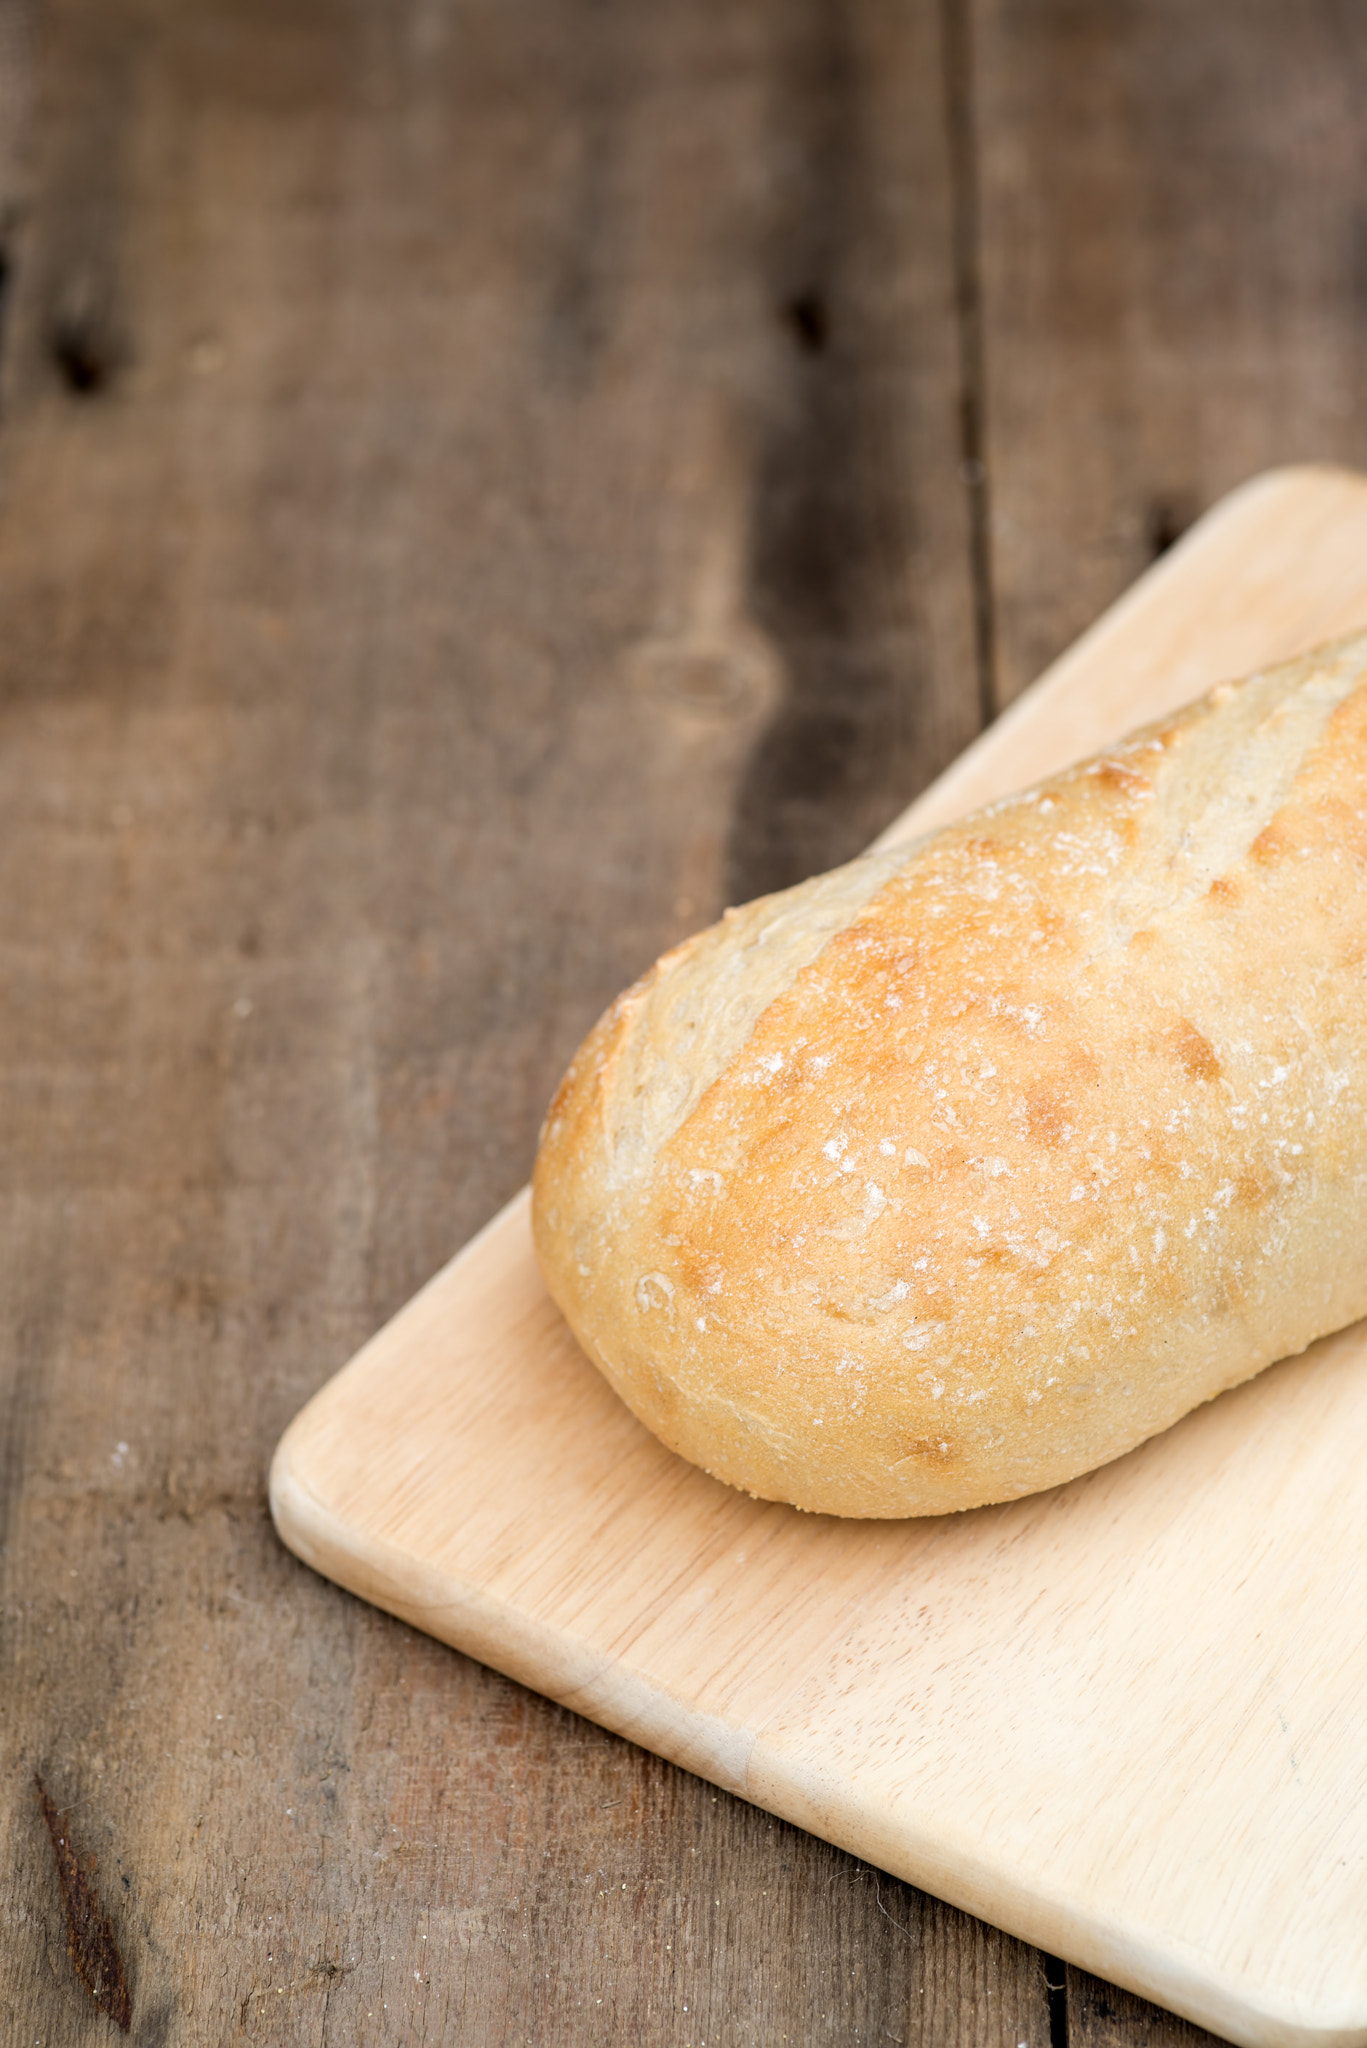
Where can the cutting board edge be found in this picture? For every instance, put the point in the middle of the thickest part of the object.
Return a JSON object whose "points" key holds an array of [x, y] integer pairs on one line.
{"points": [[773, 1777], [313, 1417], [550, 1661]]}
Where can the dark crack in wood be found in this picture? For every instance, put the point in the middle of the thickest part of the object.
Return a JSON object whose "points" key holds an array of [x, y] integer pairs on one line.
{"points": [[1056, 1984], [89, 1935], [957, 36]]}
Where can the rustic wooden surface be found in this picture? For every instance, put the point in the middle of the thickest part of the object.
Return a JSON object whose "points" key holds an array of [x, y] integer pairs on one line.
{"points": [[1174, 279], [480, 486]]}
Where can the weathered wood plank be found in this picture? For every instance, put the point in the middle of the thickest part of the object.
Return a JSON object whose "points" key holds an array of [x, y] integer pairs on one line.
{"points": [[460, 466], [861, 530], [1172, 280]]}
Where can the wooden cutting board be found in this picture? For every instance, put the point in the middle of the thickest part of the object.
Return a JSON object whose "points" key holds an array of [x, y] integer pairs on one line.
{"points": [[1125, 1720]]}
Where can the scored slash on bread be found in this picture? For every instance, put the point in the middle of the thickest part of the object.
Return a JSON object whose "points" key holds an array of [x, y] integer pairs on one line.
{"points": [[963, 1169]]}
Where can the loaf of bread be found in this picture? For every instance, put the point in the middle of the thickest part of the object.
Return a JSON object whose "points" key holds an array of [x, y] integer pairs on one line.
{"points": [[963, 1169]]}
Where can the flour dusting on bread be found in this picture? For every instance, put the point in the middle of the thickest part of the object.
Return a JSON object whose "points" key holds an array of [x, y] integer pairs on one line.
{"points": [[961, 1170]]}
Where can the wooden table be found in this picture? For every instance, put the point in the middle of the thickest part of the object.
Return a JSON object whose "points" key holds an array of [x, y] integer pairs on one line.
{"points": [[481, 486]]}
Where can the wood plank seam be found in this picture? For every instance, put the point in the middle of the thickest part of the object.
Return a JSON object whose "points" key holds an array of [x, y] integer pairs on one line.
{"points": [[956, 33]]}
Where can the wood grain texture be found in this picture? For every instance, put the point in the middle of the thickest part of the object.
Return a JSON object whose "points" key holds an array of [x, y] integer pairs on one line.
{"points": [[1104, 2016], [1275, 569], [389, 391], [1172, 280], [1122, 1718], [377, 381]]}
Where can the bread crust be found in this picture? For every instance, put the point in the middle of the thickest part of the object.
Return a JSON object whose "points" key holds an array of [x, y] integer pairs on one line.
{"points": [[944, 1178]]}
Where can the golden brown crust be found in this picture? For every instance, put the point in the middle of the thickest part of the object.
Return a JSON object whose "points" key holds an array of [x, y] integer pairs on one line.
{"points": [[1035, 1136]]}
